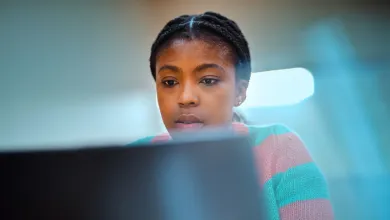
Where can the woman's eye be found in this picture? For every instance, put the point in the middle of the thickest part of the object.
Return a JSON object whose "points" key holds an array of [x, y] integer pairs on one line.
{"points": [[169, 83], [209, 81]]}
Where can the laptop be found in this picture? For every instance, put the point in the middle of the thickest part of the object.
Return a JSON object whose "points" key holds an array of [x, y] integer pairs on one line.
{"points": [[197, 177]]}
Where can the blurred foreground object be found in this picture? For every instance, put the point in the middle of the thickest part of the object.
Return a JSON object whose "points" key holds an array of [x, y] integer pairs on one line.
{"points": [[205, 176]]}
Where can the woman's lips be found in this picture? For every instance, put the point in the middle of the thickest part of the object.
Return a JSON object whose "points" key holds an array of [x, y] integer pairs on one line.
{"points": [[188, 121], [180, 125]]}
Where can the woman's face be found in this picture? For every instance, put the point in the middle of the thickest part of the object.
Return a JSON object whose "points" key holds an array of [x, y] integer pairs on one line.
{"points": [[196, 85]]}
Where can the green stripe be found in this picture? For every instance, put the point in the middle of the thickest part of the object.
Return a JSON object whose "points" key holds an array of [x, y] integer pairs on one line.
{"points": [[260, 133], [303, 182]]}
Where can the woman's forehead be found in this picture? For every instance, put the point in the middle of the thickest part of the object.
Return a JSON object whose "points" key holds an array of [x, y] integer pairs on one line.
{"points": [[180, 49]]}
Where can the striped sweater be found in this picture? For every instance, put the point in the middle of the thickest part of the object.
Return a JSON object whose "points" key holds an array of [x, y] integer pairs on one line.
{"points": [[293, 185]]}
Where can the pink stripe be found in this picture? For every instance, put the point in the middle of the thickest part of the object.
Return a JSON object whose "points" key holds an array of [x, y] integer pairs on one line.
{"points": [[277, 153], [240, 128], [161, 137], [318, 209]]}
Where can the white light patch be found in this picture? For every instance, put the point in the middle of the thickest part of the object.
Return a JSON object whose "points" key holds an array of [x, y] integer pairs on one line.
{"points": [[279, 87]]}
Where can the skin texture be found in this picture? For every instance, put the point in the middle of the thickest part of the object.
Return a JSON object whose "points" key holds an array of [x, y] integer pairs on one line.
{"points": [[196, 85]]}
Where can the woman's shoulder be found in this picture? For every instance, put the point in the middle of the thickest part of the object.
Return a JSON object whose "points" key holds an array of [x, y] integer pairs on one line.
{"points": [[150, 139], [260, 133], [144, 140]]}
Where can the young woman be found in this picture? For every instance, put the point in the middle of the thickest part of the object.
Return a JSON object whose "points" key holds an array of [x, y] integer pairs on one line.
{"points": [[201, 65]]}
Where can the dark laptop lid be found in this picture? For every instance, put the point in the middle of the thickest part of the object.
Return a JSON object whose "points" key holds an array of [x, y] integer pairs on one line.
{"points": [[204, 177]]}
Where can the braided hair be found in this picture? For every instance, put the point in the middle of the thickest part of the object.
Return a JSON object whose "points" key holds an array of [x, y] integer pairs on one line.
{"points": [[211, 27]]}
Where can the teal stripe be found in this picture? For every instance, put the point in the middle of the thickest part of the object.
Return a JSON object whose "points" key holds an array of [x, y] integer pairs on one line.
{"points": [[260, 133], [145, 140], [270, 201], [303, 182]]}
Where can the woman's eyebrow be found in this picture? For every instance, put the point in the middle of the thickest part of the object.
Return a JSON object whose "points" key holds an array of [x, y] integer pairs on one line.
{"points": [[204, 66], [171, 68]]}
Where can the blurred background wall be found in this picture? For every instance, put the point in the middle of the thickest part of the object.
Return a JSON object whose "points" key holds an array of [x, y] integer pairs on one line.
{"points": [[78, 73]]}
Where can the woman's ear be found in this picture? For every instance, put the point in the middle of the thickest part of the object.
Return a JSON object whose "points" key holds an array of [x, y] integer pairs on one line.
{"points": [[241, 88]]}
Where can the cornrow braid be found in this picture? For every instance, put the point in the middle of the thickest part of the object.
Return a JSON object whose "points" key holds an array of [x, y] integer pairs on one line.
{"points": [[208, 24]]}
